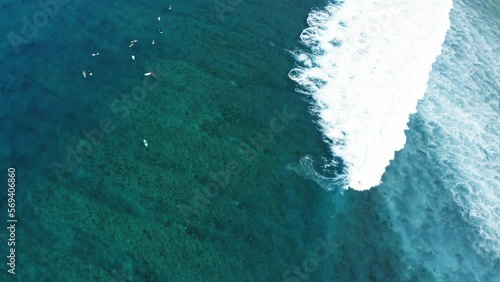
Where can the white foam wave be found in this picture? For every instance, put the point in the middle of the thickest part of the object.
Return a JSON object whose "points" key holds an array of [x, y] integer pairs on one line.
{"points": [[366, 67]]}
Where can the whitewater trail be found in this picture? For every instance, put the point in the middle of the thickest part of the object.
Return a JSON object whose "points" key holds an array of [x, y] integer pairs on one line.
{"points": [[461, 110], [366, 66]]}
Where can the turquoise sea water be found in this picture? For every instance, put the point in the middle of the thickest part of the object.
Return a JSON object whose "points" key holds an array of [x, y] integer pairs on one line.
{"points": [[214, 196]]}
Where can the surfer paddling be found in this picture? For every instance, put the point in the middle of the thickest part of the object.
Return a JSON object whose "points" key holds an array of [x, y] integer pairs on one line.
{"points": [[132, 42], [85, 73]]}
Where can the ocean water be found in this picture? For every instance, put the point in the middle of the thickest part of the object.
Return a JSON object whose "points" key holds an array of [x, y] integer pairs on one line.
{"points": [[229, 187], [438, 173], [209, 198]]}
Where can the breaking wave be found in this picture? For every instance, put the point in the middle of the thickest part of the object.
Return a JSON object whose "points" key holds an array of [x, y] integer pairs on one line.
{"points": [[366, 65]]}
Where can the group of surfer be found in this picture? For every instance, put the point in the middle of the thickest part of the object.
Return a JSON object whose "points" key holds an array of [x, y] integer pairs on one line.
{"points": [[132, 42]]}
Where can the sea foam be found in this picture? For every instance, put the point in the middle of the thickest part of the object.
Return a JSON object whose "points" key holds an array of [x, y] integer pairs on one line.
{"points": [[366, 65], [461, 110]]}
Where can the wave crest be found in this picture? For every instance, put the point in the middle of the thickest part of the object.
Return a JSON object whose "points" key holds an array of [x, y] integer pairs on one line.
{"points": [[366, 66]]}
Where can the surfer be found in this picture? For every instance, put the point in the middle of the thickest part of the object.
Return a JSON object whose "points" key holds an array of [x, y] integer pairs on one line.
{"points": [[132, 42]]}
